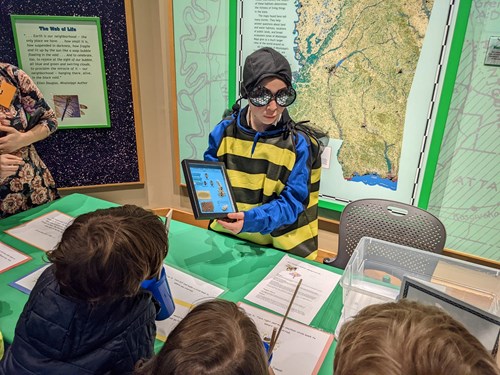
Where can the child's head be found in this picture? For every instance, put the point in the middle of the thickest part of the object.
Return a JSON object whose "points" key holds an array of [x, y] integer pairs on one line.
{"points": [[216, 337], [407, 337], [264, 63], [106, 254]]}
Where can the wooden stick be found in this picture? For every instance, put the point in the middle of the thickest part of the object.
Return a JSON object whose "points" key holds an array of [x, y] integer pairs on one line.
{"points": [[273, 343], [273, 337]]}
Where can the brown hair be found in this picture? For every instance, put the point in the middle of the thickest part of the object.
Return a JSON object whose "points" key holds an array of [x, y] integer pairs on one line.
{"points": [[216, 337], [107, 253], [407, 337]]}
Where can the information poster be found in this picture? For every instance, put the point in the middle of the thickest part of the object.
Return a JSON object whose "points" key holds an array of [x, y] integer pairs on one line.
{"points": [[373, 90], [464, 193], [493, 52], [367, 87], [64, 57]]}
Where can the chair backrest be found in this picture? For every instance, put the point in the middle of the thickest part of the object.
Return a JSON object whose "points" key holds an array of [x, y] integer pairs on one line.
{"points": [[390, 221]]}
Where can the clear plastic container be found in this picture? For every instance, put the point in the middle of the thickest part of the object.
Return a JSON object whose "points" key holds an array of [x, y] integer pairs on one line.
{"points": [[376, 269]]}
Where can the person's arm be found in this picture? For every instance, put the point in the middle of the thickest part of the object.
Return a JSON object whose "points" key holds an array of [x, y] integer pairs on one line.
{"points": [[9, 164], [285, 209], [214, 140], [13, 139], [211, 152], [31, 99]]}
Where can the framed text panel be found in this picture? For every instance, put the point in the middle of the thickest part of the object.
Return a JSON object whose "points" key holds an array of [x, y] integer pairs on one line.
{"points": [[80, 157], [63, 55]]}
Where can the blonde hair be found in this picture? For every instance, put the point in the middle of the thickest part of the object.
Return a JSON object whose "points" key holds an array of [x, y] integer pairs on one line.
{"points": [[407, 337]]}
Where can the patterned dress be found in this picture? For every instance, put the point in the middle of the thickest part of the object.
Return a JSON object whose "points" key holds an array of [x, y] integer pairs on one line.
{"points": [[32, 184]]}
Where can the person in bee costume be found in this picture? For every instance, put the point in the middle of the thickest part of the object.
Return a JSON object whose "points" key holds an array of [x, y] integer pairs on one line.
{"points": [[273, 163]]}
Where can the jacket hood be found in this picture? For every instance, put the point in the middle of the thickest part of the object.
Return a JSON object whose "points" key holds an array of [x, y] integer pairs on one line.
{"points": [[263, 63], [65, 327]]}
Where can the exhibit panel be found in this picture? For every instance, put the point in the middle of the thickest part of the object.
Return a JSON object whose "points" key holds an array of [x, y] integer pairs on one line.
{"points": [[99, 142]]}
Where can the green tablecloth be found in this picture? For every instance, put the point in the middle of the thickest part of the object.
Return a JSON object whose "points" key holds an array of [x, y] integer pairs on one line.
{"points": [[234, 264]]}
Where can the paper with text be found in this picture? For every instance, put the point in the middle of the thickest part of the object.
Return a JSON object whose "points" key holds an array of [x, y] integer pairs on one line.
{"points": [[10, 257], [27, 283], [276, 289], [300, 349], [187, 291], [44, 232]]}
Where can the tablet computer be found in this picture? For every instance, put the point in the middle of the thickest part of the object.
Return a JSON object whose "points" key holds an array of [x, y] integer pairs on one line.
{"points": [[209, 189], [483, 325]]}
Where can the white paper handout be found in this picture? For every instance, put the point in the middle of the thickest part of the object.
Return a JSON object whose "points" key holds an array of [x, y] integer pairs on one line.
{"points": [[43, 232], [276, 289], [27, 282], [10, 257], [187, 291], [300, 349]]}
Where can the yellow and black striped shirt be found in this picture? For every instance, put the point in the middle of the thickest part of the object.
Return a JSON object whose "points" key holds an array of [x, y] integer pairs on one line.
{"points": [[275, 176]]}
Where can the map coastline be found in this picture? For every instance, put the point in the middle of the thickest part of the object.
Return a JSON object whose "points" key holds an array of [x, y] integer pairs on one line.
{"points": [[354, 78]]}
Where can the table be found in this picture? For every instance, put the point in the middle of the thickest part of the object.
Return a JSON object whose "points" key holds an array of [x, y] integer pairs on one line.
{"points": [[228, 261]]}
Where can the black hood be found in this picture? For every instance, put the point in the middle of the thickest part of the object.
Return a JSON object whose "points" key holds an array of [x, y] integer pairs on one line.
{"points": [[263, 63]]}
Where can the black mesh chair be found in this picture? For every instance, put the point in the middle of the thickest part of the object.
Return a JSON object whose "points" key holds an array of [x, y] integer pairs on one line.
{"points": [[390, 221]]}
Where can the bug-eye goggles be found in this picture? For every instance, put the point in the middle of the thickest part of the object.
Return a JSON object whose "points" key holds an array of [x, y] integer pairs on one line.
{"points": [[261, 96]]}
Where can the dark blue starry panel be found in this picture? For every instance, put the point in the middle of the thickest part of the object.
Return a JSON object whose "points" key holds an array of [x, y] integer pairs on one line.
{"points": [[82, 157]]}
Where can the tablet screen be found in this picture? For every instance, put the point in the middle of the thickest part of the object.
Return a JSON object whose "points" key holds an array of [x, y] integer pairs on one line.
{"points": [[209, 189], [481, 324]]}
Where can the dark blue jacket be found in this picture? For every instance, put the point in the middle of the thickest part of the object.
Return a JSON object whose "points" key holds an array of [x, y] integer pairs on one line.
{"points": [[57, 334]]}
